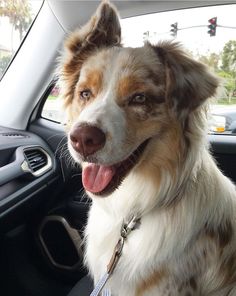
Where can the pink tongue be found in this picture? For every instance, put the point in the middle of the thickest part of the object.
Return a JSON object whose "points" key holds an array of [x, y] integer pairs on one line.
{"points": [[96, 178]]}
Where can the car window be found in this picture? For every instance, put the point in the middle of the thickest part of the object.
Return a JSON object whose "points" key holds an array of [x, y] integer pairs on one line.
{"points": [[52, 108], [209, 34], [16, 17]]}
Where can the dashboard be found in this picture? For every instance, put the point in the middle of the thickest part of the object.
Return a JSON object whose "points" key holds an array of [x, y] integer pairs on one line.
{"points": [[27, 169], [32, 172]]}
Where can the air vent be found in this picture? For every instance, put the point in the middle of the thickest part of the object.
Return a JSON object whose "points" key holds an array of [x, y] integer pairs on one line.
{"points": [[38, 161], [14, 135]]}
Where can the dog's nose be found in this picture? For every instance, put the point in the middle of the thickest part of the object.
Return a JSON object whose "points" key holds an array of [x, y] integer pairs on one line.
{"points": [[87, 139]]}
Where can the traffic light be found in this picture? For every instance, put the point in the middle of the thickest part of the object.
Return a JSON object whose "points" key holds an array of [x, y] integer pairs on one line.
{"points": [[146, 36], [174, 29], [212, 26]]}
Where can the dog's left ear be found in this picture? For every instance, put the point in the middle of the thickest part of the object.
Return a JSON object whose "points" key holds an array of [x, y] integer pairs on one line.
{"points": [[188, 82]]}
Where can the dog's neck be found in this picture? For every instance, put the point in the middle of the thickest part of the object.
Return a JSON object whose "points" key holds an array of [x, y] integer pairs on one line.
{"points": [[141, 193], [194, 201]]}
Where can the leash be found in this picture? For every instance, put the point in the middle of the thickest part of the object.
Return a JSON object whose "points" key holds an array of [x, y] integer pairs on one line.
{"points": [[126, 229]]}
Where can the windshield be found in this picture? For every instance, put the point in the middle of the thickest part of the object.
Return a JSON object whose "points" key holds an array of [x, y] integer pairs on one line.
{"points": [[209, 35], [16, 16]]}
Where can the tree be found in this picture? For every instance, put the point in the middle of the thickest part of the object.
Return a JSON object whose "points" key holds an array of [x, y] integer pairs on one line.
{"points": [[229, 58], [229, 67], [19, 13], [4, 61], [212, 60], [229, 83], [224, 64]]}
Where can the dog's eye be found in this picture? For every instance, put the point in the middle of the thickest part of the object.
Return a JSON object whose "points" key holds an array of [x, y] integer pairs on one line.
{"points": [[138, 99], [85, 94]]}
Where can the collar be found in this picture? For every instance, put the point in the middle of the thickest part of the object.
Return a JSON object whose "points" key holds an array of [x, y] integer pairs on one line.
{"points": [[126, 228]]}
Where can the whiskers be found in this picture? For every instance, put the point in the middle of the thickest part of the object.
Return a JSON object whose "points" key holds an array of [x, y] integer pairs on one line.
{"points": [[67, 163], [82, 197]]}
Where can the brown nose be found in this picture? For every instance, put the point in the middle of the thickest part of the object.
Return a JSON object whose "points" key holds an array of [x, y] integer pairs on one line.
{"points": [[87, 139]]}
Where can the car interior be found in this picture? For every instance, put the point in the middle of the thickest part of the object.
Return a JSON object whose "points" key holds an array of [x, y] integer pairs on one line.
{"points": [[43, 207]]}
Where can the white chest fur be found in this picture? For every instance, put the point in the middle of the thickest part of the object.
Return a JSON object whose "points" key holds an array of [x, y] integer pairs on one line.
{"points": [[144, 252]]}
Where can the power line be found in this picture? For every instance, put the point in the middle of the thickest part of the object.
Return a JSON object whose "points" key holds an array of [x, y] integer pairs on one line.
{"points": [[228, 27], [193, 27], [201, 26]]}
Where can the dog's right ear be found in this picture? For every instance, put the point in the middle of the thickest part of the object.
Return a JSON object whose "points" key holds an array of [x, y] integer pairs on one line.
{"points": [[189, 83], [102, 30]]}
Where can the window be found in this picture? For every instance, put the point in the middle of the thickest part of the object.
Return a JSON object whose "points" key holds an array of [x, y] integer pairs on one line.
{"points": [[16, 17], [52, 108], [209, 34]]}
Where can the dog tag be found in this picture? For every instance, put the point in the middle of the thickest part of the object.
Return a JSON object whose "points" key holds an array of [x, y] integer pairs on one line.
{"points": [[99, 286]]}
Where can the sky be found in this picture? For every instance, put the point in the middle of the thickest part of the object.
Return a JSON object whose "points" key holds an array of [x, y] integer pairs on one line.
{"points": [[196, 39]]}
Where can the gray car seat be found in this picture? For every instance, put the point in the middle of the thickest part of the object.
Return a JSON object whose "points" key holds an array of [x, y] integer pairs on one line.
{"points": [[83, 288]]}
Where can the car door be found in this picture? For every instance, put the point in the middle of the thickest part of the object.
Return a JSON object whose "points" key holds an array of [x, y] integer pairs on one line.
{"points": [[43, 209]]}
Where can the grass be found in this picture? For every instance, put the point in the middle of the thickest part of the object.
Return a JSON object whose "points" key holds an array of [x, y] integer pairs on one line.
{"points": [[50, 97], [226, 101]]}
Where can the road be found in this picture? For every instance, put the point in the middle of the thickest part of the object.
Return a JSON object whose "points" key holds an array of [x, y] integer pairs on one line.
{"points": [[222, 108]]}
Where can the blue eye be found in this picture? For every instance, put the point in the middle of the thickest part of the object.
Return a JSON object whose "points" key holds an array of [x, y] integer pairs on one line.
{"points": [[85, 94], [138, 99]]}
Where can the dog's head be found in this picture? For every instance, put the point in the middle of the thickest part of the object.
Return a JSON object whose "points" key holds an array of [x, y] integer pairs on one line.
{"points": [[122, 101]]}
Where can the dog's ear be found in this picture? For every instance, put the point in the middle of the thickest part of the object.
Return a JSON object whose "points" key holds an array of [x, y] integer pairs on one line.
{"points": [[188, 82], [103, 29]]}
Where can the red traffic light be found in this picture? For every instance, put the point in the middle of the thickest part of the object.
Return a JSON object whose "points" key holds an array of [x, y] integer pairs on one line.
{"points": [[212, 26], [213, 20]]}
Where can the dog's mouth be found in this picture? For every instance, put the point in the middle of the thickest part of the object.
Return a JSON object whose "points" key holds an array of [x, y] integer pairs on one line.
{"points": [[102, 180]]}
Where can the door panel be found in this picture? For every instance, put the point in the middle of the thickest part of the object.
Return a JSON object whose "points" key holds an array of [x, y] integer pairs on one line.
{"points": [[223, 148]]}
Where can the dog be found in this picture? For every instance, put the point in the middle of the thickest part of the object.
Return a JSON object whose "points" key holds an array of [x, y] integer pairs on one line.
{"points": [[137, 125]]}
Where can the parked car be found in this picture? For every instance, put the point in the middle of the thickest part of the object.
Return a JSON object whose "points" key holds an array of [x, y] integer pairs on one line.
{"points": [[223, 120]]}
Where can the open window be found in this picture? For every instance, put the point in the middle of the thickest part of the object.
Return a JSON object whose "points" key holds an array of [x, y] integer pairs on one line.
{"points": [[16, 17]]}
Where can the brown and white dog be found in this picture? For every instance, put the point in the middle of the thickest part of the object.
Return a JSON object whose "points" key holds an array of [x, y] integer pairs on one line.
{"points": [[137, 125]]}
